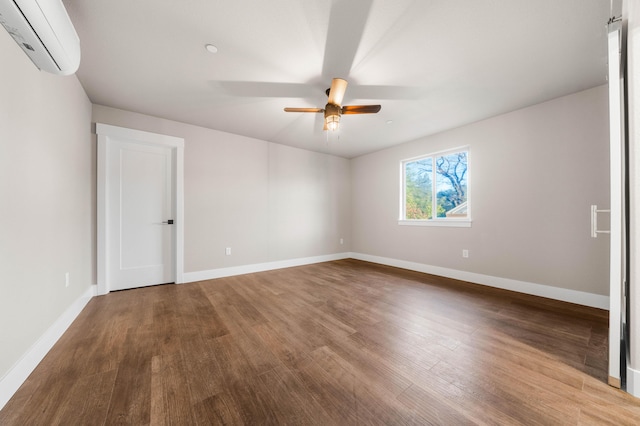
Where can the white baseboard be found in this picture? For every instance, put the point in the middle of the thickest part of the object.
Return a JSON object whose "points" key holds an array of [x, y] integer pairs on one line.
{"points": [[633, 382], [259, 267], [16, 376], [557, 293]]}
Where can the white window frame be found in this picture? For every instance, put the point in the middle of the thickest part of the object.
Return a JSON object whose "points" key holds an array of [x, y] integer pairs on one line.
{"points": [[436, 221]]}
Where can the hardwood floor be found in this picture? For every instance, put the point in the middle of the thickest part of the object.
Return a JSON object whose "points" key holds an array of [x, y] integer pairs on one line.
{"points": [[343, 342]]}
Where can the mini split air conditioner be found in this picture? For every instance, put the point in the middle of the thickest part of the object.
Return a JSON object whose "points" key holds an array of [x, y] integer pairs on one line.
{"points": [[43, 30]]}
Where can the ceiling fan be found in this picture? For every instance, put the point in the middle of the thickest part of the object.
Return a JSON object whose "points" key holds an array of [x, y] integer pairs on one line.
{"points": [[333, 109]]}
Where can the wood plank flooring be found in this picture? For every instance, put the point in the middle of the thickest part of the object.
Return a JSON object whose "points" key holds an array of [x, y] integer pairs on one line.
{"points": [[338, 343]]}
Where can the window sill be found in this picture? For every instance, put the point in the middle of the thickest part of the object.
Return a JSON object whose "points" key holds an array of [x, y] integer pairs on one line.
{"points": [[453, 223]]}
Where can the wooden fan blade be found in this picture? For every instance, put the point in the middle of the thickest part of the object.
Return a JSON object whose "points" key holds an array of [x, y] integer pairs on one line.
{"points": [[360, 109], [336, 93], [304, 110]]}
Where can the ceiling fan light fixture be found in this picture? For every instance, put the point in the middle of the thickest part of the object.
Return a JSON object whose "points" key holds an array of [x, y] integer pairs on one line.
{"points": [[332, 122], [334, 109]]}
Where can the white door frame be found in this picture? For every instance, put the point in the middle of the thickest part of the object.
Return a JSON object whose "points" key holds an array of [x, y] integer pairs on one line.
{"points": [[617, 249], [105, 133]]}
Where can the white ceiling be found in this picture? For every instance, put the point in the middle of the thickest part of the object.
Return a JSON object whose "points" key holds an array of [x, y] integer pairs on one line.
{"points": [[432, 64]]}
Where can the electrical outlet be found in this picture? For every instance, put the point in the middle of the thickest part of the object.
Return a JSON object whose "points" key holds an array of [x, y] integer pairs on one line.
{"points": [[465, 253], [66, 279], [227, 251]]}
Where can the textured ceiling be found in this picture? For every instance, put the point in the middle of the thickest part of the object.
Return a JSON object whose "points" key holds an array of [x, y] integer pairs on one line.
{"points": [[432, 64]]}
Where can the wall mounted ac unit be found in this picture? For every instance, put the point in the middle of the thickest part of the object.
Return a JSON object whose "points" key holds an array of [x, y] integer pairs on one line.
{"points": [[43, 30]]}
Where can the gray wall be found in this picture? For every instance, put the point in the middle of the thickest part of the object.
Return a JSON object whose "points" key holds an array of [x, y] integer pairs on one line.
{"points": [[267, 202], [533, 175], [45, 199]]}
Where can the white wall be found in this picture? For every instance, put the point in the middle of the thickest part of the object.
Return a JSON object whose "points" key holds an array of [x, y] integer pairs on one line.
{"points": [[45, 200], [267, 202], [533, 175]]}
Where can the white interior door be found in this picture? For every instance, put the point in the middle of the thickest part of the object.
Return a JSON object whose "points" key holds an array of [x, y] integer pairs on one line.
{"points": [[139, 208], [140, 182]]}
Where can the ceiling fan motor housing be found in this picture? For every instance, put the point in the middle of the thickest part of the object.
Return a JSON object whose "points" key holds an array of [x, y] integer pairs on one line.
{"points": [[331, 109]]}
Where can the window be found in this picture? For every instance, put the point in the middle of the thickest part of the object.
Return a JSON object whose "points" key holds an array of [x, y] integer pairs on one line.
{"points": [[435, 190]]}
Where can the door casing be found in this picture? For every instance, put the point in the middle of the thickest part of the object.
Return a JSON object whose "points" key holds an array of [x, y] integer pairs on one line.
{"points": [[105, 134]]}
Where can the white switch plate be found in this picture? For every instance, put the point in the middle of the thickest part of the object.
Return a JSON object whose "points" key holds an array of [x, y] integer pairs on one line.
{"points": [[227, 251], [465, 253]]}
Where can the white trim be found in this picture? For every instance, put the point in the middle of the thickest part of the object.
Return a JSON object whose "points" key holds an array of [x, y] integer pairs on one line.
{"points": [[453, 223], [616, 168], [633, 382], [101, 216], [16, 376], [138, 135], [179, 205], [104, 132], [441, 152], [260, 267], [557, 293]]}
